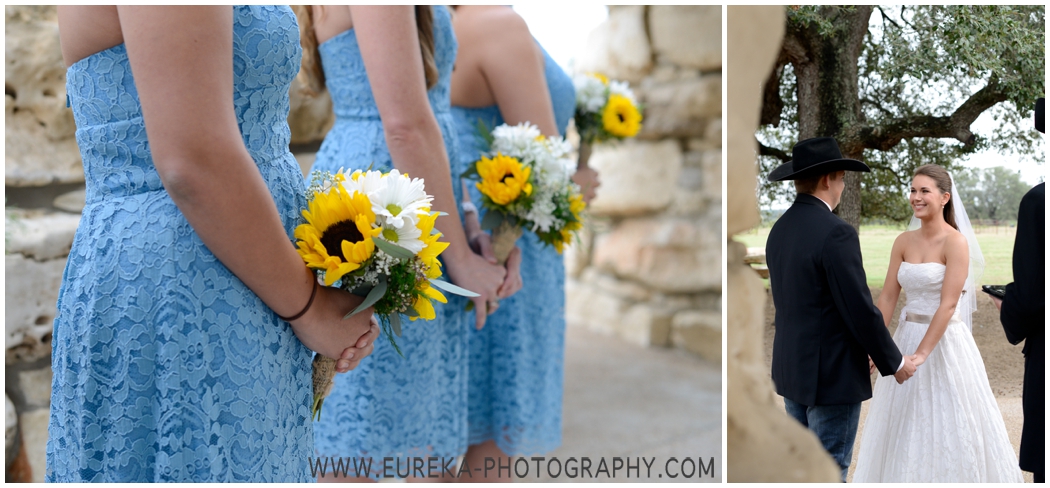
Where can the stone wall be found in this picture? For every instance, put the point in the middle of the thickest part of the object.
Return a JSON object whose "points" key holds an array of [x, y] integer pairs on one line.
{"points": [[648, 269], [764, 444]]}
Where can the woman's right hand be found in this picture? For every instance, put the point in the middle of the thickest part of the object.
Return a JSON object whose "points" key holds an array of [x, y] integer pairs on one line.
{"points": [[480, 276], [324, 331]]}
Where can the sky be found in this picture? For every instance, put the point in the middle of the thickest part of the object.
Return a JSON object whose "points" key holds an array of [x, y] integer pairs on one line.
{"points": [[564, 35]]}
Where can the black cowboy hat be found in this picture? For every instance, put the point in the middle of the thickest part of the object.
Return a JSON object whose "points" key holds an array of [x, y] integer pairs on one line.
{"points": [[1040, 115], [815, 157]]}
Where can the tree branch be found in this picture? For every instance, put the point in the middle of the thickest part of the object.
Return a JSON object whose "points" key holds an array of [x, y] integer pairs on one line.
{"points": [[764, 150], [887, 17], [956, 126], [772, 104]]}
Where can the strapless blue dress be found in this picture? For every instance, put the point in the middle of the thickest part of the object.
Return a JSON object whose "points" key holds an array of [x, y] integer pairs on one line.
{"points": [[391, 406], [166, 366], [516, 360]]}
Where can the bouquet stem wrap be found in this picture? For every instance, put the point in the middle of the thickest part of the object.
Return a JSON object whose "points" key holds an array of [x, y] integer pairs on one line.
{"points": [[503, 239], [585, 153], [323, 379]]}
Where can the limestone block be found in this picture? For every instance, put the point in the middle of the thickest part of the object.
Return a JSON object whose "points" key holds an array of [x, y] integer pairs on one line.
{"points": [[688, 35], [72, 201], [624, 289], [36, 386], [681, 108], [41, 236], [698, 332], [674, 255], [713, 133], [310, 116], [305, 160], [11, 431], [645, 326], [578, 253], [34, 440], [588, 306], [691, 177], [635, 176], [753, 45], [31, 296], [39, 143], [687, 203], [619, 47], [712, 167]]}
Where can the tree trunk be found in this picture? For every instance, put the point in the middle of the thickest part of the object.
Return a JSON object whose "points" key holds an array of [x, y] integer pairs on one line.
{"points": [[828, 91]]}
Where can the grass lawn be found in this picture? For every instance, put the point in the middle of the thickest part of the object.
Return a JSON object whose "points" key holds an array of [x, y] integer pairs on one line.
{"points": [[997, 244]]}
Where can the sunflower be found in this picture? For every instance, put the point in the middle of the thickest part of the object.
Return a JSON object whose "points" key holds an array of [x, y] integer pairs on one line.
{"points": [[576, 206], [620, 117], [604, 79], [503, 179], [431, 247], [337, 235]]}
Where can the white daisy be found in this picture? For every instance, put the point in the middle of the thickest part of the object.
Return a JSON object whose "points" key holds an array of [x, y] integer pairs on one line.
{"points": [[590, 93], [399, 198], [621, 88]]}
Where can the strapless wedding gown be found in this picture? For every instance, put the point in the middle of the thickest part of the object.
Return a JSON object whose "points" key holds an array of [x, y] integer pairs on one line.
{"points": [[943, 424]]}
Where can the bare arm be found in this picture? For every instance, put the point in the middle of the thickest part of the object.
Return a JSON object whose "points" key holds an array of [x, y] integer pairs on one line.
{"points": [[182, 60], [390, 50], [891, 288], [957, 253]]}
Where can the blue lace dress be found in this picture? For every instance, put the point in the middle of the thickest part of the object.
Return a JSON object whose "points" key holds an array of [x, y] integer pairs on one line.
{"points": [[166, 366], [391, 406], [516, 360]]}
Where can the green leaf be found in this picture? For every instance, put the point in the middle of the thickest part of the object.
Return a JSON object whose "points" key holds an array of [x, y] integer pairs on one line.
{"points": [[411, 312], [395, 323], [471, 171], [394, 250], [449, 287], [374, 295], [492, 219]]}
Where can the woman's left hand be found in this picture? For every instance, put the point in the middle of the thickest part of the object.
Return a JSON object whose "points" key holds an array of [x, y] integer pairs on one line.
{"points": [[588, 180]]}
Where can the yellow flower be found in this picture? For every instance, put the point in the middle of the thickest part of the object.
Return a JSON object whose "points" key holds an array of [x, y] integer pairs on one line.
{"points": [[423, 306], [603, 78], [620, 117], [503, 179], [576, 206], [337, 235], [431, 247]]}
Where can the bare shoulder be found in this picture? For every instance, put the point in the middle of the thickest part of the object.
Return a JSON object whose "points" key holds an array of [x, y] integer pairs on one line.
{"points": [[491, 23], [955, 241]]}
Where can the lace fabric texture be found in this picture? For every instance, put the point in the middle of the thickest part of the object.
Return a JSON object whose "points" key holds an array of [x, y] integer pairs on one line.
{"points": [[517, 359], [167, 367], [943, 424], [391, 406]]}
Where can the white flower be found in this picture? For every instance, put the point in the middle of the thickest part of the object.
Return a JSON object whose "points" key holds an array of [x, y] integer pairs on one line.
{"points": [[591, 93], [362, 181], [399, 198], [621, 88], [406, 236]]}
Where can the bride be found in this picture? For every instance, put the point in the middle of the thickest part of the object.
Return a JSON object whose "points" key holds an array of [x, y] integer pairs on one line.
{"points": [[943, 424]]}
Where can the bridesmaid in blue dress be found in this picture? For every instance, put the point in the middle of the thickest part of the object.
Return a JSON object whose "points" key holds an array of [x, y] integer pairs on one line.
{"points": [[388, 71], [515, 393], [177, 357]]}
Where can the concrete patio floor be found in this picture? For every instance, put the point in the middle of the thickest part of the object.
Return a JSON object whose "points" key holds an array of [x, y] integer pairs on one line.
{"points": [[627, 401]]}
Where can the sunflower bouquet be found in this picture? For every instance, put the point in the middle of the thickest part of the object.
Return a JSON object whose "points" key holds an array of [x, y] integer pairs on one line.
{"points": [[525, 183], [372, 234], [605, 109]]}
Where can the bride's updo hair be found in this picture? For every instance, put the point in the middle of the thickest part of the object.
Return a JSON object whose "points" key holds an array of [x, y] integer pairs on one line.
{"points": [[311, 71], [943, 180]]}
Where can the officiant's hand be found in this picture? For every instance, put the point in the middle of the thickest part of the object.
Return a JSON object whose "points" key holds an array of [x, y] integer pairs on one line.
{"points": [[906, 371], [998, 303]]}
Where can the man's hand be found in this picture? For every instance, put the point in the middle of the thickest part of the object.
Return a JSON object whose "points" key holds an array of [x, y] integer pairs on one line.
{"points": [[906, 371], [871, 365], [998, 303]]}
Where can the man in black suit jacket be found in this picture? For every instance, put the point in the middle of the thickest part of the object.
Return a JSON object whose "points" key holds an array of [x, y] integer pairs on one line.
{"points": [[827, 327], [1023, 312]]}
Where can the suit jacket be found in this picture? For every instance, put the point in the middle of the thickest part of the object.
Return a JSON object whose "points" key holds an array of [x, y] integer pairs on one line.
{"points": [[1023, 314], [826, 323]]}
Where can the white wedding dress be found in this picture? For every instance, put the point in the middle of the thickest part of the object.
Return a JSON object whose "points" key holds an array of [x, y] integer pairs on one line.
{"points": [[943, 424]]}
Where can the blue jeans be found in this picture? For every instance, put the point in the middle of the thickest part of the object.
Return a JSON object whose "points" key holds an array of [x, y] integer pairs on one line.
{"points": [[834, 425]]}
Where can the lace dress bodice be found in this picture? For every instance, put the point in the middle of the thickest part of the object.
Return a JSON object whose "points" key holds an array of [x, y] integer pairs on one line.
{"points": [[922, 285]]}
